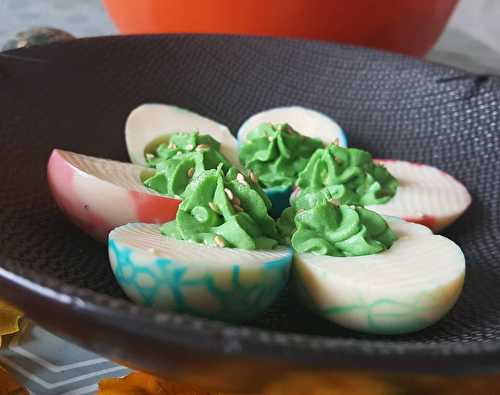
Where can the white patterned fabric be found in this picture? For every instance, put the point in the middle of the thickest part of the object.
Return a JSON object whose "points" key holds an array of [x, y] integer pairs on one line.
{"points": [[49, 365]]}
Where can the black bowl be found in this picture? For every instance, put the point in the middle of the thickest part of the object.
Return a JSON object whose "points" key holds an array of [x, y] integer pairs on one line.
{"points": [[77, 95]]}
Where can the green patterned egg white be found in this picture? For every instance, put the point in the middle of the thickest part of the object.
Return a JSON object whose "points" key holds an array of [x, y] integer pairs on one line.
{"points": [[403, 289]]}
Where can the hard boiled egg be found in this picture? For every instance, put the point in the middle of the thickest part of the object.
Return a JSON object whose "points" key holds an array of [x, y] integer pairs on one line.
{"points": [[182, 276], [425, 195], [99, 194], [406, 288], [150, 124], [310, 123]]}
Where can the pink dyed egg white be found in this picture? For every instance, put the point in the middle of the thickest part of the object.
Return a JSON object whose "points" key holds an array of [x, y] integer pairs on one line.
{"points": [[150, 124], [425, 195], [99, 194]]}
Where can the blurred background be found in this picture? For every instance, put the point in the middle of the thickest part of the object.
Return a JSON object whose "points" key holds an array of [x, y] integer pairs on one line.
{"points": [[457, 32]]}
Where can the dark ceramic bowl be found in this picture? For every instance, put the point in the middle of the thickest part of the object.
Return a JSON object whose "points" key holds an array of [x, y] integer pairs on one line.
{"points": [[77, 95]]}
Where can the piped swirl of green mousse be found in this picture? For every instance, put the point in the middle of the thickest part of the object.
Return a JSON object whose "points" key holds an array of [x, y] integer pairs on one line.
{"points": [[348, 175], [177, 163], [339, 230], [225, 211], [277, 153]]}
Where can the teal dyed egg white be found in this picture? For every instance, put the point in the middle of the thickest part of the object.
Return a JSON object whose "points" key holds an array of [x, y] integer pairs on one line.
{"points": [[404, 289], [150, 124], [310, 123], [221, 283]]}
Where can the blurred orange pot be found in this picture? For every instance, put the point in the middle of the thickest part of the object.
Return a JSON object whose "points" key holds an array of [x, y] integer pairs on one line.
{"points": [[406, 26]]}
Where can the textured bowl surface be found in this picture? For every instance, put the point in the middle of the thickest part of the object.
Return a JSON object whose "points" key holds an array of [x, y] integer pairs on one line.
{"points": [[77, 95]]}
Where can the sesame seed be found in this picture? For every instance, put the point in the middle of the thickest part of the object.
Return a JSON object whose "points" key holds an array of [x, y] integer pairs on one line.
{"points": [[190, 172], [219, 241], [202, 147], [241, 179], [189, 147], [229, 194], [172, 146], [214, 207], [253, 177], [149, 156], [334, 202]]}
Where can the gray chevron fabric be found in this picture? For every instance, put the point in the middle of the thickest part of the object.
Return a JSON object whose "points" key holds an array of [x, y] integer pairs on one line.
{"points": [[49, 365]]}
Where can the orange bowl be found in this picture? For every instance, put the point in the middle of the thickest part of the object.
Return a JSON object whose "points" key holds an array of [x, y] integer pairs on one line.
{"points": [[409, 26]]}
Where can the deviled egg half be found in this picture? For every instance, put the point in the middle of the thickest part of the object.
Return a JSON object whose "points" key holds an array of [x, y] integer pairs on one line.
{"points": [[220, 258], [150, 125], [168, 151], [417, 193], [276, 145], [99, 194], [373, 274]]}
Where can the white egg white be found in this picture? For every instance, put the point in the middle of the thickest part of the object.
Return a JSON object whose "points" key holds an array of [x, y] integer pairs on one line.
{"points": [[404, 289], [308, 122], [153, 122], [224, 283]]}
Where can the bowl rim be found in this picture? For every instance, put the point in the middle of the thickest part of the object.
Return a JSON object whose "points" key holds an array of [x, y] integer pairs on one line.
{"points": [[122, 315]]}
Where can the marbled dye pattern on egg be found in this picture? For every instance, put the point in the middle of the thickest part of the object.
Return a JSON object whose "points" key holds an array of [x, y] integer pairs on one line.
{"points": [[237, 294]]}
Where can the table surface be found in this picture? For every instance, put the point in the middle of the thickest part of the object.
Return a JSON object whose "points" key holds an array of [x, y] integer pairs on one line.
{"points": [[47, 364]]}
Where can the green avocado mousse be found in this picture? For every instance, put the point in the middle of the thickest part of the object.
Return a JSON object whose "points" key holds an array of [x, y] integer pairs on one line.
{"points": [[225, 210], [345, 174], [182, 159], [276, 154], [337, 230]]}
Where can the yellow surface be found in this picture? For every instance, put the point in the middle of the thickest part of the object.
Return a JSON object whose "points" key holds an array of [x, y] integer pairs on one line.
{"points": [[9, 320], [307, 384], [143, 384], [9, 386]]}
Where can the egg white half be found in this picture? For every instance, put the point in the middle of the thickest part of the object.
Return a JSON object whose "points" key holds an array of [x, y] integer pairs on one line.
{"points": [[223, 283]]}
